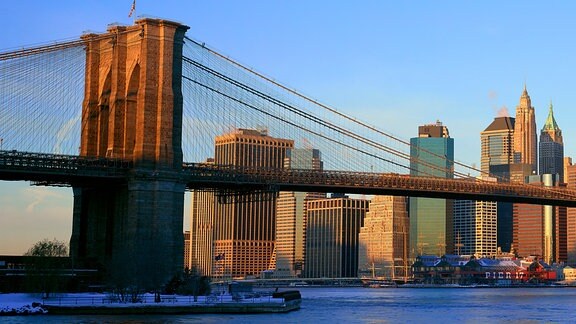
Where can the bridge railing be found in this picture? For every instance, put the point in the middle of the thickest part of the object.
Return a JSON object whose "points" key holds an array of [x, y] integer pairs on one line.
{"points": [[29, 161]]}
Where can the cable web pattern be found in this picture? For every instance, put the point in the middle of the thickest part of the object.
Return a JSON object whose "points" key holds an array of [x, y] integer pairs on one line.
{"points": [[221, 95], [41, 95]]}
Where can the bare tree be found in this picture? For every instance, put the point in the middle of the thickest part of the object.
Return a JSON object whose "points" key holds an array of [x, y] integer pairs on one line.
{"points": [[44, 265]]}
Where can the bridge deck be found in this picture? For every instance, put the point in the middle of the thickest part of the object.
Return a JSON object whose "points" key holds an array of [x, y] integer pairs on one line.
{"points": [[53, 169]]}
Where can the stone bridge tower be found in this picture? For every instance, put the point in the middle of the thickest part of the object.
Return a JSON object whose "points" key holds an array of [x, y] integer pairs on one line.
{"points": [[132, 110]]}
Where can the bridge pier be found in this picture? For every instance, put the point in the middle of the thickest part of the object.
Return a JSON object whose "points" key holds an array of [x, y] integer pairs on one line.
{"points": [[132, 110], [132, 232]]}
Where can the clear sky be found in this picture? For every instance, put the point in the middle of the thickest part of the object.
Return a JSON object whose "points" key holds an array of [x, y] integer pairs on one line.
{"points": [[397, 64]]}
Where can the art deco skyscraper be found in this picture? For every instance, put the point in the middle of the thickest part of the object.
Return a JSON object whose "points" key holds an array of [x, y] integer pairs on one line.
{"points": [[291, 216], [525, 138], [244, 229], [497, 156], [551, 148], [431, 226]]}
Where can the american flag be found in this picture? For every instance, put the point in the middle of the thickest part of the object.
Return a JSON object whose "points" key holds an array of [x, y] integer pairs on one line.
{"points": [[132, 9]]}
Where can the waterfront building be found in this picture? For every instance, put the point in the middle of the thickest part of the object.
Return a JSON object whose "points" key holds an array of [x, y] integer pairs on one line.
{"points": [[569, 274], [551, 148], [332, 237], [431, 225], [187, 246], [525, 137], [291, 216], [383, 250], [469, 270], [475, 228], [497, 155], [245, 225]]}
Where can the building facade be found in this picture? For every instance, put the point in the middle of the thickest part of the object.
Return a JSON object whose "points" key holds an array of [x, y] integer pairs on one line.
{"points": [[431, 225], [570, 178], [245, 225], [332, 237], [383, 250], [525, 137], [497, 155], [187, 245], [291, 216], [475, 228], [536, 226], [201, 231]]}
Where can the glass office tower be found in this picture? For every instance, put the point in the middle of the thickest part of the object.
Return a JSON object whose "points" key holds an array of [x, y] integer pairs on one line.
{"points": [[431, 227]]}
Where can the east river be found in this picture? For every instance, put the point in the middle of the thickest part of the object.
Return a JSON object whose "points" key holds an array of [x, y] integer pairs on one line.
{"points": [[384, 305]]}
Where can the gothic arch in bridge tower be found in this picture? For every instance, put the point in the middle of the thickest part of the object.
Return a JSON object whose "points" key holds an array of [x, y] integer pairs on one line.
{"points": [[103, 117], [130, 113]]}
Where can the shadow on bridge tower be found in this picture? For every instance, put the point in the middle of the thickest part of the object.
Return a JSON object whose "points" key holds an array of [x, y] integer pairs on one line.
{"points": [[132, 110]]}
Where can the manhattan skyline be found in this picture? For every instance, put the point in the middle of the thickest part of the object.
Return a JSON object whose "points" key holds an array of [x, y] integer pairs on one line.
{"points": [[394, 65]]}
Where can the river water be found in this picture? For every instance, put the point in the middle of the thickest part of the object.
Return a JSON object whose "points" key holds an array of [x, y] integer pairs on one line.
{"points": [[384, 305]]}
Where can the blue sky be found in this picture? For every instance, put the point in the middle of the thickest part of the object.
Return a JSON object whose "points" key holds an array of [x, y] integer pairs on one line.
{"points": [[396, 64]]}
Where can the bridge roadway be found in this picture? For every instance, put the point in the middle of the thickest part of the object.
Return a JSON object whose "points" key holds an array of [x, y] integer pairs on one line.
{"points": [[70, 170]]}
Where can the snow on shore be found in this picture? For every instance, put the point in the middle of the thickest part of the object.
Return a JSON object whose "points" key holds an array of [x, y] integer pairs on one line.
{"points": [[21, 304], [27, 304]]}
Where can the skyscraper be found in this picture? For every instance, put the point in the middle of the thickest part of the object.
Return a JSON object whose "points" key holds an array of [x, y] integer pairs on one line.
{"points": [[244, 229], [551, 148], [535, 226], [332, 237], [551, 161], [570, 178], [525, 137], [497, 152], [497, 155], [475, 227], [384, 238], [291, 216], [201, 231], [431, 226]]}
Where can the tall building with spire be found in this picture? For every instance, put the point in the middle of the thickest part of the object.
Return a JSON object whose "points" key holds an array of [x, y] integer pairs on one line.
{"points": [[551, 147], [551, 161], [525, 138]]}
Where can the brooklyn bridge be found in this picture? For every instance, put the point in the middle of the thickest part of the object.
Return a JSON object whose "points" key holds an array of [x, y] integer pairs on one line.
{"points": [[128, 119]]}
